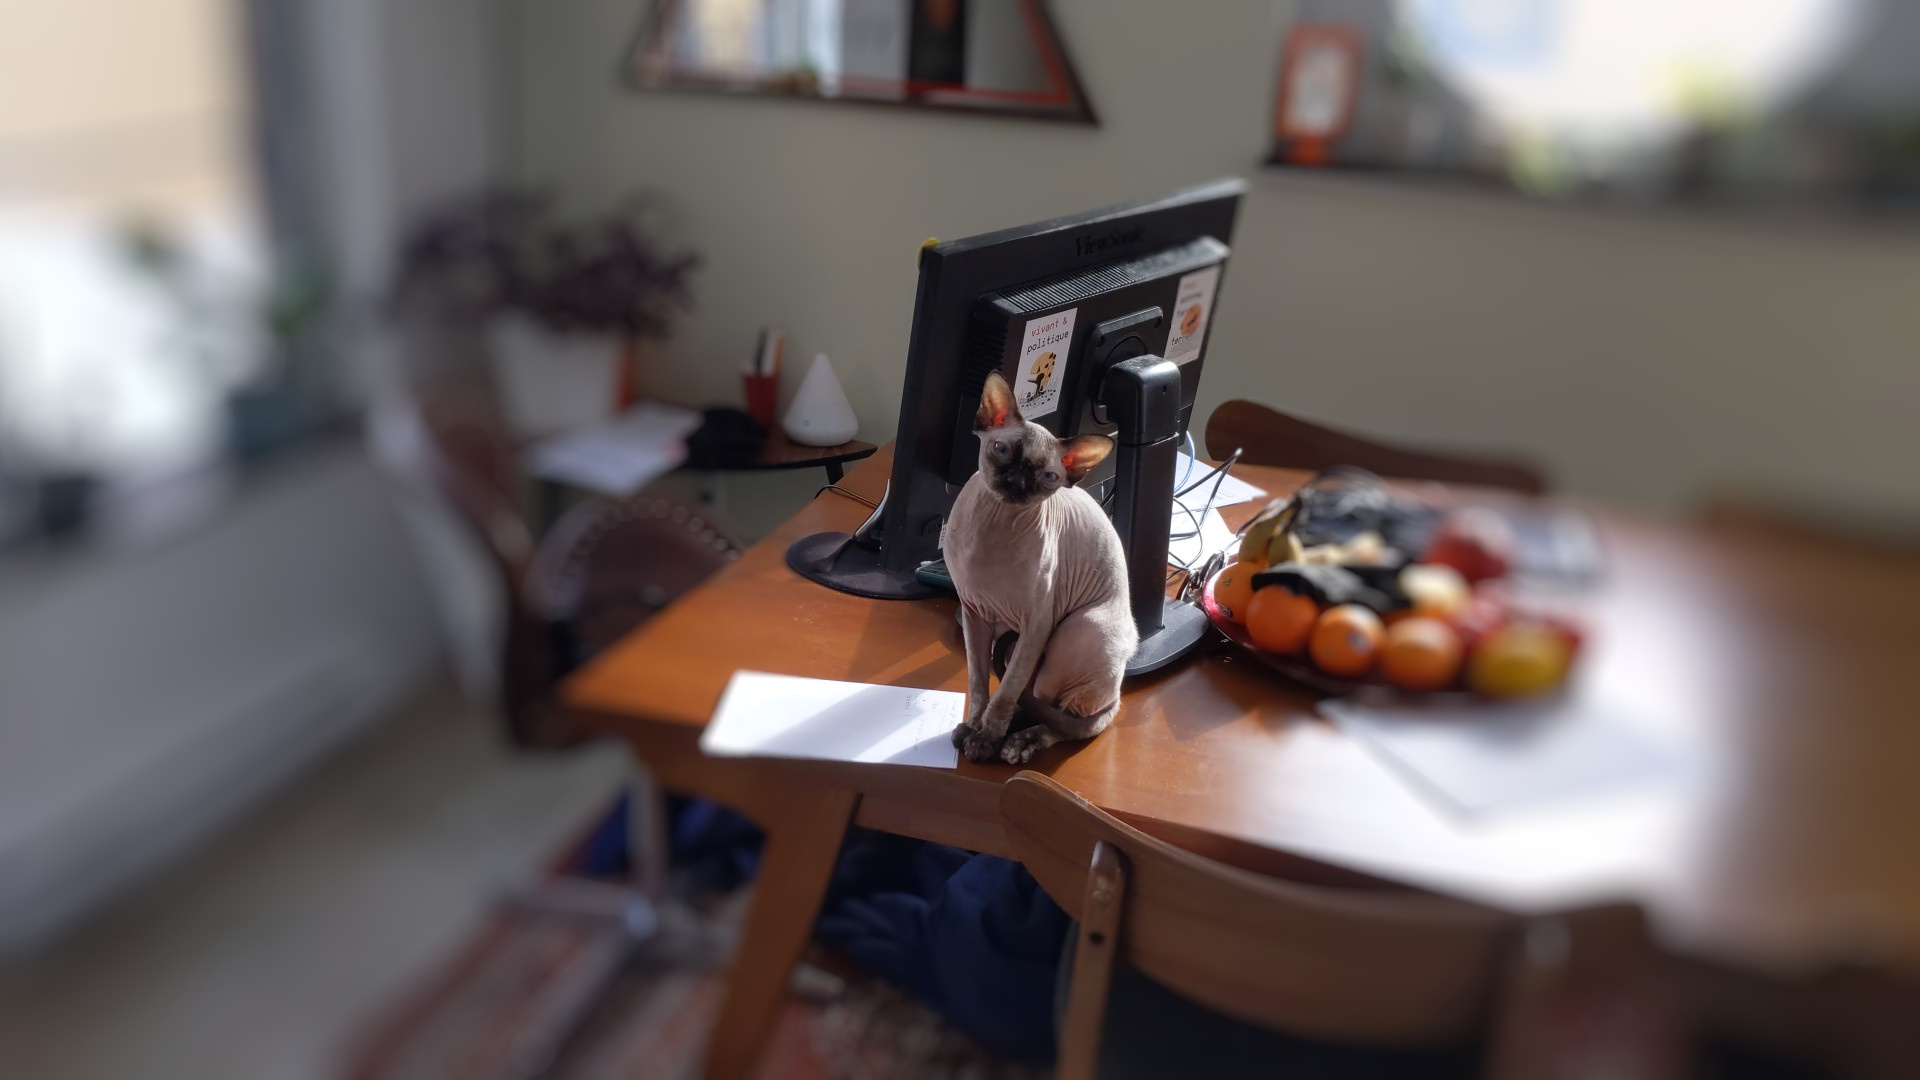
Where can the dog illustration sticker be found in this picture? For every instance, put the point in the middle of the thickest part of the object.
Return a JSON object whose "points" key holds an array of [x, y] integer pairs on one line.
{"points": [[1043, 371], [1037, 382], [1192, 308]]}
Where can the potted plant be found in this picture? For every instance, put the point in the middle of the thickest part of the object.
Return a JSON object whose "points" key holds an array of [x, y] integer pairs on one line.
{"points": [[571, 306], [223, 320]]}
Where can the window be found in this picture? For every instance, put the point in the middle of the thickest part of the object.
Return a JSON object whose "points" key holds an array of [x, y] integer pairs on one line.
{"points": [[114, 117]]}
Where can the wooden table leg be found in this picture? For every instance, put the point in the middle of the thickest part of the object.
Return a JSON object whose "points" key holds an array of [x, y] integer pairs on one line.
{"points": [[835, 473], [798, 860]]}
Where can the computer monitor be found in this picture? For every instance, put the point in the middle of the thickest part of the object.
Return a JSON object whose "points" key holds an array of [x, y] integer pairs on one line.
{"points": [[1057, 307]]}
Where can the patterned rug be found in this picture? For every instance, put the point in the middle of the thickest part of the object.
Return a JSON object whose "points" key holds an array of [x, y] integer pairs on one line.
{"points": [[506, 1007]]}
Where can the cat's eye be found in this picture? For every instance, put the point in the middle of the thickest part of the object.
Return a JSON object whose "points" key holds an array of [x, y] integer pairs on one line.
{"points": [[1050, 476], [1000, 448]]}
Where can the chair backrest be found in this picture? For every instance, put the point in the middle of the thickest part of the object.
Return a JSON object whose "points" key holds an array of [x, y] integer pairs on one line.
{"points": [[475, 464], [1353, 965], [1267, 436], [605, 567]]}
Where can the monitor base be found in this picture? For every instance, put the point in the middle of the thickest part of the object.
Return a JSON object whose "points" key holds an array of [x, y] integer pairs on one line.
{"points": [[830, 559], [1183, 627]]}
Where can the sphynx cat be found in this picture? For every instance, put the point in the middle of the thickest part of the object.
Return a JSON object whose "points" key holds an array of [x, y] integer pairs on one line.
{"points": [[1035, 558]]}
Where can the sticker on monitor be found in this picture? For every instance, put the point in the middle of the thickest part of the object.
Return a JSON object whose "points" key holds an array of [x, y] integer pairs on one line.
{"points": [[1191, 311], [1042, 364]]}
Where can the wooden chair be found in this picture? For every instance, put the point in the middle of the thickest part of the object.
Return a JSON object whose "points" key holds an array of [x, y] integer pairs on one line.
{"points": [[1269, 437], [602, 569], [1384, 968]]}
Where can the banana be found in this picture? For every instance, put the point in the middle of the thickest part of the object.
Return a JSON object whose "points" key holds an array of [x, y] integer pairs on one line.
{"points": [[1269, 533]]}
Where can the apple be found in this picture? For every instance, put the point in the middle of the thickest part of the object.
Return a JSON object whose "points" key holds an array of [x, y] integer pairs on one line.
{"points": [[1482, 615], [1477, 542]]}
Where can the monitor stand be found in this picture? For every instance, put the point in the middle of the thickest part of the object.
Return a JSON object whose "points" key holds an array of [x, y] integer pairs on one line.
{"points": [[1142, 395], [852, 562]]}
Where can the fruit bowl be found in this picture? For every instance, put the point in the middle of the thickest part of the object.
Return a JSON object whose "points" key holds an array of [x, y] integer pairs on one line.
{"points": [[1302, 671]]}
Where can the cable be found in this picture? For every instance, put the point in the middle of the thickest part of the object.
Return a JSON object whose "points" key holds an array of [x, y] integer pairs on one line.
{"points": [[1219, 471], [838, 490], [1218, 474]]}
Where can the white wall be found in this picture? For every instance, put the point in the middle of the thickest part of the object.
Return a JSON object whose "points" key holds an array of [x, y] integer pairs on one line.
{"points": [[148, 698], [406, 98], [1642, 357]]}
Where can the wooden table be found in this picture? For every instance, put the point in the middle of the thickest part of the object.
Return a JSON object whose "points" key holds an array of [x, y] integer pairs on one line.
{"points": [[1788, 667]]}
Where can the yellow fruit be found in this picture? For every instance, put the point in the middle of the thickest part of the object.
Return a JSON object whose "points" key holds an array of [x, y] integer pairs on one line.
{"points": [[1233, 590], [1436, 589], [1263, 541], [1346, 640], [1279, 621], [1518, 660]]}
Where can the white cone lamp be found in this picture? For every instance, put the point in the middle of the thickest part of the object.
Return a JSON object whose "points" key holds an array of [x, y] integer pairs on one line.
{"points": [[819, 414]]}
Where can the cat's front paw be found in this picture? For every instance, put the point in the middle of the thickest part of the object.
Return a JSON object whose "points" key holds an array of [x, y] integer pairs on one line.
{"points": [[980, 747], [960, 733], [1023, 744]]}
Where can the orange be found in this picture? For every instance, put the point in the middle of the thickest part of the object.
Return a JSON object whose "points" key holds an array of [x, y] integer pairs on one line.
{"points": [[1345, 640], [1421, 653], [1279, 621], [1233, 590]]}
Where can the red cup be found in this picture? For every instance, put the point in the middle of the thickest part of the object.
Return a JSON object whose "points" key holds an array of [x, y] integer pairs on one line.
{"points": [[763, 397]]}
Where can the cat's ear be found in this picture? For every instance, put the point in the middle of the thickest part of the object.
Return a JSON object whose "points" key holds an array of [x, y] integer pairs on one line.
{"points": [[1079, 456], [997, 407]]}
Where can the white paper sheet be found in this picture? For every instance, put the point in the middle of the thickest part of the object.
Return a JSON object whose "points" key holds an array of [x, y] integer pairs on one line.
{"points": [[620, 456], [1232, 490], [1189, 545], [762, 715], [1479, 757]]}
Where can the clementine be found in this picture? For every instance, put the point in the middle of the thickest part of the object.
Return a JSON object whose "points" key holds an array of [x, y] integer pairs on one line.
{"points": [[1345, 640], [1279, 621], [1233, 590], [1421, 653]]}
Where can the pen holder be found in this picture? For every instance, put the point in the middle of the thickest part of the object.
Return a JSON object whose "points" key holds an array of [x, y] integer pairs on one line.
{"points": [[763, 397]]}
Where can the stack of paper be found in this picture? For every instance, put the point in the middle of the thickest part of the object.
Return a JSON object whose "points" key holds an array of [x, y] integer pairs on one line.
{"points": [[620, 456], [1222, 490], [1197, 528]]}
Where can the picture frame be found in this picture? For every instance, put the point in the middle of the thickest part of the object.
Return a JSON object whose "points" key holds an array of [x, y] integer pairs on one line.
{"points": [[1320, 78]]}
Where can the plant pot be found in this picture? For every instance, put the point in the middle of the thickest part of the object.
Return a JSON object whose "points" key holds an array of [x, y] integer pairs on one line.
{"points": [[263, 419], [62, 502], [549, 381]]}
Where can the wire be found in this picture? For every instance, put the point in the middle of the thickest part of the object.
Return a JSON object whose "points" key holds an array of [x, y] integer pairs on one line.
{"points": [[1218, 474], [838, 490]]}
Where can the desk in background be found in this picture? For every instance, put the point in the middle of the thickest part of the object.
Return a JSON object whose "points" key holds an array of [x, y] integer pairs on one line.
{"points": [[624, 454]]}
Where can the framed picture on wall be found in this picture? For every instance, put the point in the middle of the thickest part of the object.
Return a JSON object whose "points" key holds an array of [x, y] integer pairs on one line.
{"points": [[1319, 82]]}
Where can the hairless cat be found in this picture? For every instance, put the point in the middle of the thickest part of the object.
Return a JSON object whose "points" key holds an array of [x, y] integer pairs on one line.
{"points": [[1034, 558]]}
